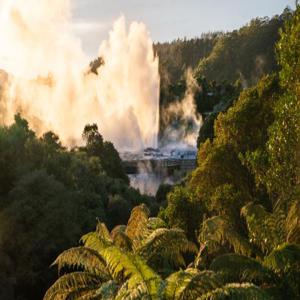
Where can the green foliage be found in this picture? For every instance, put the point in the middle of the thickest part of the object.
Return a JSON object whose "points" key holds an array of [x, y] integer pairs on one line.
{"points": [[283, 146], [218, 231], [105, 151], [239, 268], [82, 257], [293, 223], [253, 110], [235, 291], [246, 54], [74, 283], [179, 55], [285, 261], [191, 283], [166, 246], [136, 228], [105, 260], [246, 184], [182, 211], [49, 196], [218, 164], [266, 230], [283, 258]]}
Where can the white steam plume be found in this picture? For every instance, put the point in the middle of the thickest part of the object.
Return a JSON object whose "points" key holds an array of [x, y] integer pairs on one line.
{"points": [[49, 84], [183, 119]]}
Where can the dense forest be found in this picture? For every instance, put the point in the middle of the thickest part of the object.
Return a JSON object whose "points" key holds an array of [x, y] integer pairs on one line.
{"points": [[230, 230], [222, 64], [51, 195]]}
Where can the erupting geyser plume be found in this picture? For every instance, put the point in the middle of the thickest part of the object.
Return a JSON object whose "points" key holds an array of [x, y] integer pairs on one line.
{"points": [[49, 83]]}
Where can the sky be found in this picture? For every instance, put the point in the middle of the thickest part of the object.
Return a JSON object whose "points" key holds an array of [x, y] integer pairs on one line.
{"points": [[167, 20]]}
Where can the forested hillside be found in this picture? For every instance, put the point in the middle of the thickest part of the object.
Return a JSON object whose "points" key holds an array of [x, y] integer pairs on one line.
{"points": [[222, 64], [232, 230], [49, 196], [245, 54]]}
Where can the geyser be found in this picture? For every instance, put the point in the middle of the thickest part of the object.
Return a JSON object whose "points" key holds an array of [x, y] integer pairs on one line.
{"points": [[48, 81]]}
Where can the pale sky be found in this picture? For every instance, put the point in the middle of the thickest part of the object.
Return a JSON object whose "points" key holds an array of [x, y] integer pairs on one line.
{"points": [[167, 20]]}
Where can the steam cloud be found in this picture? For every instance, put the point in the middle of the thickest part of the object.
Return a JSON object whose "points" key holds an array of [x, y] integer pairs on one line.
{"points": [[183, 119], [45, 76]]}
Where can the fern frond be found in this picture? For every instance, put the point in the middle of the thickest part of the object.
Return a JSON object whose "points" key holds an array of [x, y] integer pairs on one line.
{"points": [[117, 229], [239, 268], [284, 258], [168, 244], [236, 291], [120, 238], [103, 232], [71, 283], [82, 257], [219, 231], [107, 291], [136, 228], [191, 283], [156, 223], [93, 241], [266, 230], [134, 269], [293, 223], [136, 293]]}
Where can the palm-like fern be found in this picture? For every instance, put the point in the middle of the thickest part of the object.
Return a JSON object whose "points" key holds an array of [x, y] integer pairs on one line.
{"points": [[82, 258], [191, 284], [293, 223], [166, 244], [132, 270], [127, 262], [284, 258], [236, 291], [117, 260], [268, 230], [137, 227], [240, 268], [218, 230], [74, 285]]}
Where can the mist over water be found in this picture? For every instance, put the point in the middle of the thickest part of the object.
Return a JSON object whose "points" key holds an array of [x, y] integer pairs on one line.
{"points": [[49, 84]]}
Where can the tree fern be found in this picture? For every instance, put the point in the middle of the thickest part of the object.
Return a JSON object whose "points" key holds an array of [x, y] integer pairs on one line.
{"points": [[136, 228], [120, 238], [266, 230], [93, 241], [191, 283], [72, 283], [219, 231], [103, 232], [134, 269], [156, 223], [283, 258], [108, 290], [82, 257], [240, 268], [293, 223], [236, 291], [169, 244]]}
